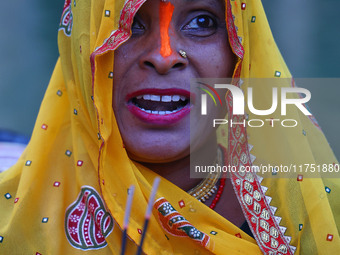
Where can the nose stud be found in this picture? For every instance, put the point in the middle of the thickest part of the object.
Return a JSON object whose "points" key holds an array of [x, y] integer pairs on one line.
{"points": [[182, 53]]}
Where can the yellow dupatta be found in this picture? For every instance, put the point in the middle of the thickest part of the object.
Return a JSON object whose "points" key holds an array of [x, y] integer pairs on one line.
{"points": [[67, 192]]}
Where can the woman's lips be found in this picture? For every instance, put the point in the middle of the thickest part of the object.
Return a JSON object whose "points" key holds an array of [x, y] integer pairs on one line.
{"points": [[159, 106]]}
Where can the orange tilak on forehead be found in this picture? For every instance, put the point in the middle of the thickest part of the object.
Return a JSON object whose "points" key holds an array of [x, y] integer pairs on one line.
{"points": [[166, 10]]}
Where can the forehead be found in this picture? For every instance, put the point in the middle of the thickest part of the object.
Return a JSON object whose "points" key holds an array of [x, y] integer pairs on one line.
{"points": [[192, 3], [151, 8], [210, 2]]}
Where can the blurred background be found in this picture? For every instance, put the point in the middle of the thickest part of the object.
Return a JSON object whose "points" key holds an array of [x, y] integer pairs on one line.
{"points": [[306, 31]]}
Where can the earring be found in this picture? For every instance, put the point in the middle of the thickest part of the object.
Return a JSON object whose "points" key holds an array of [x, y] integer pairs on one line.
{"points": [[182, 53]]}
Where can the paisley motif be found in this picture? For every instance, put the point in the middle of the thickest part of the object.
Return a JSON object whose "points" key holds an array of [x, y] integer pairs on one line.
{"points": [[87, 222], [66, 21]]}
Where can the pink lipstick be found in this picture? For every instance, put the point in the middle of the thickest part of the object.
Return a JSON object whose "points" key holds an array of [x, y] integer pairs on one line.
{"points": [[159, 106]]}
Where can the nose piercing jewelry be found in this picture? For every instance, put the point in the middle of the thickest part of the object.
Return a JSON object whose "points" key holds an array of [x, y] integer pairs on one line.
{"points": [[182, 53]]}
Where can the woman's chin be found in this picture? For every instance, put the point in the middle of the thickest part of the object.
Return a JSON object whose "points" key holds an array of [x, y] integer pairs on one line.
{"points": [[158, 157]]}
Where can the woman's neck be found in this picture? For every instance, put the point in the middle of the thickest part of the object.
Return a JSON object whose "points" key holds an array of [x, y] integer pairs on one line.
{"points": [[178, 171]]}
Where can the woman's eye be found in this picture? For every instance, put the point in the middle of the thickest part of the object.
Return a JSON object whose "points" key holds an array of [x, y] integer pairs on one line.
{"points": [[201, 22], [137, 27]]}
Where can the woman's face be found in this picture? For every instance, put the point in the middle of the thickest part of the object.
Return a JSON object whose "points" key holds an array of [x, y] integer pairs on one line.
{"points": [[151, 93]]}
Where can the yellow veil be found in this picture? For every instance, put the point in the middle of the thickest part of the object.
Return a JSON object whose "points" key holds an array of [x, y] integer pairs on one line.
{"points": [[67, 192]]}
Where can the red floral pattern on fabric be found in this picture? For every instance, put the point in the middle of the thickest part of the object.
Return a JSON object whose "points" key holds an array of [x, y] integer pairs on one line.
{"points": [[87, 222], [233, 38], [66, 21], [122, 34], [255, 205], [176, 225], [251, 195]]}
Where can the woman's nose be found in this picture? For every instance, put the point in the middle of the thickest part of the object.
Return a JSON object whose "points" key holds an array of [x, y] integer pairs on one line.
{"points": [[163, 64]]}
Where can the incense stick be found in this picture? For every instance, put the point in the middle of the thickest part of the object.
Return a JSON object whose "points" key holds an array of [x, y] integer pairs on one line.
{"points": [[127, 216], [148, 212]]}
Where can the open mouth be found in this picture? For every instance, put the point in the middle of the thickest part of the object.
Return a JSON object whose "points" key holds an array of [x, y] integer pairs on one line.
{"points": [[160, 104], [163, 106]]}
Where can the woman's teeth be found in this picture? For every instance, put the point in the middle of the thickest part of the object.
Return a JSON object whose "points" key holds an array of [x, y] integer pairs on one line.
{"points": [[165, 98], [160, 104], [160, 112]]}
